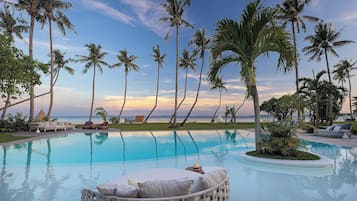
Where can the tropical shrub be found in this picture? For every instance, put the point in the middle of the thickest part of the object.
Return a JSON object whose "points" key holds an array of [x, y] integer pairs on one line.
{"points": [[15, 122], [280, 140], [280, 108]]}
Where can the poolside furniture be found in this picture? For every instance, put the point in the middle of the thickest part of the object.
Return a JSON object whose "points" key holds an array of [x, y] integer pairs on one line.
{"points": [[335, 131], [104, 125], [164, 184], [50, 126], [89, 125], [139, 118]]}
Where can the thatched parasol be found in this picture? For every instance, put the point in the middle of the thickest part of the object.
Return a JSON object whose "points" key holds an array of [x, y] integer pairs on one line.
{"points": [[40, 116]]}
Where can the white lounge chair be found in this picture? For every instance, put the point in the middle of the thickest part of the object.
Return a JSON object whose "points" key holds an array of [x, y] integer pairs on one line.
{"points": [[335, 131]]}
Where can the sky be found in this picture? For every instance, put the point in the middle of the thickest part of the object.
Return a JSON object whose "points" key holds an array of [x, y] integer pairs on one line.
{"points": [[134, 25]]}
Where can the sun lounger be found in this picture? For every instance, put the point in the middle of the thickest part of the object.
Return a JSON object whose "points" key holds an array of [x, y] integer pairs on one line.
{"points": [[164, 184], [103, 125], [139, 118], [335, 131], [50, 126], [89, 125]]}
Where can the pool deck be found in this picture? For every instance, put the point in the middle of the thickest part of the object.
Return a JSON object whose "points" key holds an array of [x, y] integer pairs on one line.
{"points": [[351, 142]]}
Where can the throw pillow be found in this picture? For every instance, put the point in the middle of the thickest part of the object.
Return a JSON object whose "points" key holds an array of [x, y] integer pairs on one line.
{"points": [[164, 188], [126, 191], [337, 128], [107, 189], [213, 178]]}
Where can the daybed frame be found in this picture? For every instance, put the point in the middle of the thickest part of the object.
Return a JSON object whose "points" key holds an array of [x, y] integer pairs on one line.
{"points": [[220, 192]]}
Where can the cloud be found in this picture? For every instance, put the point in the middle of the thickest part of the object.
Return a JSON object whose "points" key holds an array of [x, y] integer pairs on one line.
{"points": [[149, 13], [46, 44], [348, 17], [108, 10]]}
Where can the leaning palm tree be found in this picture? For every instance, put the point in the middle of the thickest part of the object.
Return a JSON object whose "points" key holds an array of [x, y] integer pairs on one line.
{"points": [[175, 11], [323, 41], [10, 25], [345, 67], [94, 59], [243, 42], [32, 7], [291, 13], [100, 111], [129, 65], [187, 62], [61, 63], [217, 83], [52, 12], [159, 59], [200, 41]]}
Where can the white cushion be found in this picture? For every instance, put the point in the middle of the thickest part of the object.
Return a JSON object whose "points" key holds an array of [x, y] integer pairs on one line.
{"points": [[330, 128], [164, 188], [107, 189], [213, 178], [126, 191], [337, 128]]}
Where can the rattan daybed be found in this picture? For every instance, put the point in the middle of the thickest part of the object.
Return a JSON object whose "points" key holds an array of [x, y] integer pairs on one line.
{"points": [[218, 192]]}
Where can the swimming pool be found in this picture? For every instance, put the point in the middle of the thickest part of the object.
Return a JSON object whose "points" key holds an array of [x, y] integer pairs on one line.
{"points": [[56, 169]]}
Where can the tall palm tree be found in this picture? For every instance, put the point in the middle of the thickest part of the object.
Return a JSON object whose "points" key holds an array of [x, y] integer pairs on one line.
{"points": [[175, 11], [10, 25], [323, 41], [291, 10], [187, 62], [52, 12], [32, 7], [217, 83], [346, 67], [94, 59], [200, 41], [243, 42], [129, 65], [159, 59], [61, 63]]}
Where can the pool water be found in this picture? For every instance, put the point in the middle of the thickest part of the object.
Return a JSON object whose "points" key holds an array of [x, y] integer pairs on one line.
{"points": [[56, 169]]}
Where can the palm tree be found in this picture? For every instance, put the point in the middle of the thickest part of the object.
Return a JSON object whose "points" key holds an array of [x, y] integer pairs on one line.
{"points": [[159, 59], [60, 63], [32, 7], [291, 10], [100, 111], [323, 41], [94, 59], [10, 25], [201, 41], [243, 42], [345, 67], [52, 12], [129, 65], [187, 62], [217, 83], [175, 11]]}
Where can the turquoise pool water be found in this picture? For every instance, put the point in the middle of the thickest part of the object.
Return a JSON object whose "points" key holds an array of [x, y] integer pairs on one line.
{"points": [[56, 169]]}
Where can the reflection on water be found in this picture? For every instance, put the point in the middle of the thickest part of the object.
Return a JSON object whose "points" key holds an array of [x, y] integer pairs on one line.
{"points": [[38, 170]]}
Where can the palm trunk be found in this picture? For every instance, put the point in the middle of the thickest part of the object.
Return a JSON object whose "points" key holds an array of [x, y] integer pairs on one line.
{"points": [[7, 103], [51, 76], [219, 105], [330, 95], [184, 96], [122, 107], [157, 93], [256, 118], [32, 90], [349, 94], [24, 101], [198, 92], [93, 87], [176, 81], [296, 70]]}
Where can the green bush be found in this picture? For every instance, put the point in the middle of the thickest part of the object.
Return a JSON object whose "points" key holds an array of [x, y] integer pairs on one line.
{"points": [[282, 141], [15, 122]]}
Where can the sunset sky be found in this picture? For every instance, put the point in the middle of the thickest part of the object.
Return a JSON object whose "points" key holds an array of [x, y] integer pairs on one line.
{"points": [[135, 26]]}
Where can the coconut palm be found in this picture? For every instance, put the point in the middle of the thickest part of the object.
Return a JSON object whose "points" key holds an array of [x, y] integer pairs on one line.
{"points": [[175, 11], [100, 111], [291, 10], [159, 59], [187, 62], [129, 65], [11, 26], [217, 83], [94, 59], [61, 63], [32, 7], [200, 41], [52, 12], [323, 41], [344, 68], [243, 42]]}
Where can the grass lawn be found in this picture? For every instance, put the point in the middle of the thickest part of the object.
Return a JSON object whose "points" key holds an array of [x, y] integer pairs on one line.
{"points": [[188, 126], [7, 137], [301, 155]]}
